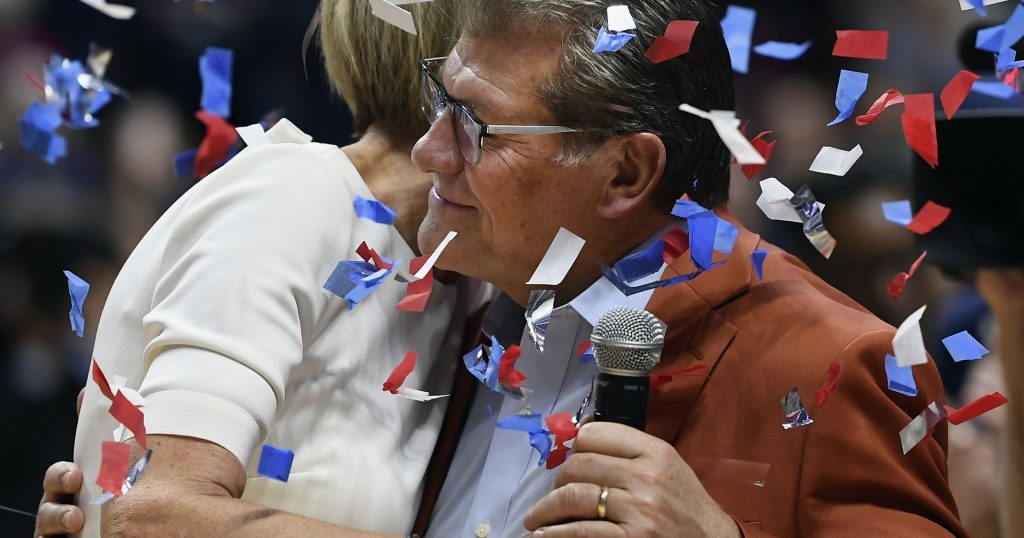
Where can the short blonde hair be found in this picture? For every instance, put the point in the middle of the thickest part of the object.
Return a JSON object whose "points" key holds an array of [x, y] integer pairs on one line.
{"points": [[374, 66]]}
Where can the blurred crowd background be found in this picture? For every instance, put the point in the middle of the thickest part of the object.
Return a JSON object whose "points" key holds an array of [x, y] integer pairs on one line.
{"points": [[87, 212]]}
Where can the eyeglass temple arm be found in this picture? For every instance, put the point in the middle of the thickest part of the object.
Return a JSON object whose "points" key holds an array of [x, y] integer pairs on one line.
{"points": [[528, 129]]}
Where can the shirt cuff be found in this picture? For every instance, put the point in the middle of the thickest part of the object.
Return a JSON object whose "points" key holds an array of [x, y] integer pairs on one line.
{"points": [[196, 414]]}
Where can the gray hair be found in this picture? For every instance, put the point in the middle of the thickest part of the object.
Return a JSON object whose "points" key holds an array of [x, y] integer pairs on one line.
{"points": [[585, 84]]}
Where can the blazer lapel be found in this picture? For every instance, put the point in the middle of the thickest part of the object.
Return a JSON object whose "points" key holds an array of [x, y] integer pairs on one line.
{"points": [[697, 334]]}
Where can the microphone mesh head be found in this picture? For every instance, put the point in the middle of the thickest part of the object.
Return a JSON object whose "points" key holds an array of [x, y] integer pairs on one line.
{"points": [[624, 324]]}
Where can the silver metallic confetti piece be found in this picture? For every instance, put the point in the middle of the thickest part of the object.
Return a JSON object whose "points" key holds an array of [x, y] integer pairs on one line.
{"points": [[538, 316], [814, 227], [796, 414], [586, 403], [918, 429]]}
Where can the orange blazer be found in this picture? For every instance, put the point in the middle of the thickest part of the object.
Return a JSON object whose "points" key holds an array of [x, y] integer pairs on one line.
{"points": [[845, 475]]}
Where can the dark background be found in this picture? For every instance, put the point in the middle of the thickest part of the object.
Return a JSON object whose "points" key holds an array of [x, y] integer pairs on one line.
{"points": [[88, 211]]}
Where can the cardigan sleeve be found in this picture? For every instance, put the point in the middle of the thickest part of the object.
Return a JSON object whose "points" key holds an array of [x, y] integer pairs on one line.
{"points": [[238, 289]]}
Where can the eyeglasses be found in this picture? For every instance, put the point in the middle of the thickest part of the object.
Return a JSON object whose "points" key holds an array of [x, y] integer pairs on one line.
{"points": [[469, 129]]}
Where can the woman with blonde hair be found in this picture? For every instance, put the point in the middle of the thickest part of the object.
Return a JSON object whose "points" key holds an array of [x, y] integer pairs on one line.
{"points": [[220, 320]]}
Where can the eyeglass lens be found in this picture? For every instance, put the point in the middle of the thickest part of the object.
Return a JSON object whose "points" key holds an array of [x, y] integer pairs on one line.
{"points": [[467, 131]]}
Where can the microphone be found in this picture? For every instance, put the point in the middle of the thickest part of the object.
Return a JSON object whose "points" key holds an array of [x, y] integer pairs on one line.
{"points": [[627, 346]]}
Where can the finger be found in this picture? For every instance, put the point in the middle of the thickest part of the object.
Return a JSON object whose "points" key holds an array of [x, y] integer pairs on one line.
{"points": [[612, 439], [78, 404], [57, 519], [574, 502], [594, 468], [582, 529], [61, 480]]}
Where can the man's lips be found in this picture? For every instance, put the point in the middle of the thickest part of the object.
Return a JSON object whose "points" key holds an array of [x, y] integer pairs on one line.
{"points": [[444, 199]]}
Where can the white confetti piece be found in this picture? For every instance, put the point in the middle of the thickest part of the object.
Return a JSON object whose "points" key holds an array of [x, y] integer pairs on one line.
{"points": [[559, 258], [835, 161]]}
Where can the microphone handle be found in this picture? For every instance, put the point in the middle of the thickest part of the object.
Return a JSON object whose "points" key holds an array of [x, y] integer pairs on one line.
{"points": [[621, 399]]}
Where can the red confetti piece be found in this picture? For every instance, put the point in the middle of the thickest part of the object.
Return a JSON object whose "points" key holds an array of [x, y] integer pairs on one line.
{"points": [[220, 137], [976, 408], [126, 413], [676, 42], [113, 466], [367, 254], [831, 381], [928, 218], [417, 293], [561, 426], [398, 375], [676, 243], [101, 380], [507, 374], [891, 97], [919, 126], [660, 379], [954, 94], [870, 45], [557, 456], [35, 82], [763, 147], [1012, 78], [895, 286]]}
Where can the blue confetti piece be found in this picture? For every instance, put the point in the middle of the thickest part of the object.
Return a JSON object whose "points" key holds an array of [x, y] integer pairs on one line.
{"points": [[588, 355], [963, 347], [485, 365], [684, 209], [373, 210], [532, 424], [1007, 60], [185, 164], [522, 423], [901, 378], [1003, 36], [611, 42], [990, 39], [77, 92], [997, 90], [215, 71], [356, 280], [738, 27], [852, 85], [783, 51], [757, 258], [703, 228], [898, 212], [642, 264], [1013, 28], [541, 442], [275, 463], [725, 236], [79, 290], [979, 6], [38, 132], [475, 363], [494, 364]]}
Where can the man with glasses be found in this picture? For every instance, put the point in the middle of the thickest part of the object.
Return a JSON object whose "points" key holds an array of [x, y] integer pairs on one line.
{"points": [[532, 132]]}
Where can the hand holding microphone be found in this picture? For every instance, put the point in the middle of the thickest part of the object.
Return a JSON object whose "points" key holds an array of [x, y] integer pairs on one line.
{"points": [[620, 480]]}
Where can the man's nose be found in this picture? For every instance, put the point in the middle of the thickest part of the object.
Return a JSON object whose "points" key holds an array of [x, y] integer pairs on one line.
{"points": [[437, 151]]}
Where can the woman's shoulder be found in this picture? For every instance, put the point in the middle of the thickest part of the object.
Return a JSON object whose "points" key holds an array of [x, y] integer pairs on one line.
{"points": [[284, 164]]}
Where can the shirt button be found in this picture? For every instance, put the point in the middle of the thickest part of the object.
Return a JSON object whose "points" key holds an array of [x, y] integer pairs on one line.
{"points": [[483, 530]]}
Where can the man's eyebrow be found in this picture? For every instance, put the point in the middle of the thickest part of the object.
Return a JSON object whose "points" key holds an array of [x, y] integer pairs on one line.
{"points": [[476, 106]]}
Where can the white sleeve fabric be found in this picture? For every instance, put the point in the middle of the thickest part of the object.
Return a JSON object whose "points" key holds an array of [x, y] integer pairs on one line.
{"points": [[238, 290]]}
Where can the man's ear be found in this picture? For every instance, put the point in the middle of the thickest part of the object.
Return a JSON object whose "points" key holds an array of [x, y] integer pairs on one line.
{"points": [[639, 170]]}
